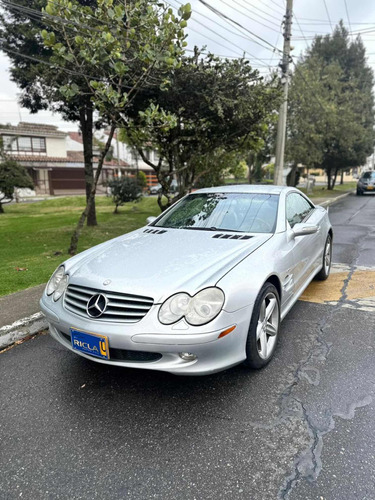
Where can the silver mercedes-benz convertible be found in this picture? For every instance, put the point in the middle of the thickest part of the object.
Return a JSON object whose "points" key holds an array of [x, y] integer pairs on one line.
{"points": [[201, 288]]}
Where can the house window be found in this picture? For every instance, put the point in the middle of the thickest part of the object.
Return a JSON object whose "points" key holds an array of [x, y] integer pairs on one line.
{"points": [[24, 144], [38, 144], [10, 143]]}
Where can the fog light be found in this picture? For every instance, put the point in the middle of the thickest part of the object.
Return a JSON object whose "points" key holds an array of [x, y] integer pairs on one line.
{"points": [[187, 356]]}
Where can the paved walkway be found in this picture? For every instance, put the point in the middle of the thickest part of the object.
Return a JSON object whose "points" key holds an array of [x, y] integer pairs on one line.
{"points": [[20, 305]]}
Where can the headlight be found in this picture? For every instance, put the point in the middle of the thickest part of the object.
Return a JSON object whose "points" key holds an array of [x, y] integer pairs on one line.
{"points": [[205, 306], [58, 283], [197, 310], [61, 287]]}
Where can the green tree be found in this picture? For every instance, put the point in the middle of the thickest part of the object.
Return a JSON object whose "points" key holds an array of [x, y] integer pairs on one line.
{"points": [[220, 107], [142, 179], [124, 190], [120, 48], [39, 79], [12, 176], [331, 107]]}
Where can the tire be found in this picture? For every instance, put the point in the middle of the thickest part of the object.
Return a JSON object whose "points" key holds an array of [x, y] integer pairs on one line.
{"points": [[359, 192], [260, 344], [327, 260]]}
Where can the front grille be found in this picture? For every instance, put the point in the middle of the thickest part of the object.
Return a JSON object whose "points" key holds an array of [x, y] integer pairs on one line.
{"points": [[125, 355], [123, 308]]}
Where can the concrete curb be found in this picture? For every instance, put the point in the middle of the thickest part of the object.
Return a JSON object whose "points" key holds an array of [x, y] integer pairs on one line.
{"points": [[333, 200], [22, 328]]}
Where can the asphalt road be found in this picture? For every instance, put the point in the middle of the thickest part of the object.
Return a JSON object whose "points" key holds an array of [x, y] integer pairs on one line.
{"points": [[303, 428]]}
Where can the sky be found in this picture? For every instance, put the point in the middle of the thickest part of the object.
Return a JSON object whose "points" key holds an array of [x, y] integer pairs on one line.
{"points": [[257, 37]]}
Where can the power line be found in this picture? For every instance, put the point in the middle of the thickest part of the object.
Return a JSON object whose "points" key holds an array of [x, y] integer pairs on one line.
{"points": [[275, 3], [249, 17], [302, 33], [215, 41], [238, 33], [329, 19], [222, 15], [215, 32], [38, 16], [347, 14], [260, 10], [262, 67]]}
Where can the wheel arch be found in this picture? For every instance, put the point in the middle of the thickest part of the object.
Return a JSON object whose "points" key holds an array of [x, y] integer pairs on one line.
{"points": [[275, 281]]}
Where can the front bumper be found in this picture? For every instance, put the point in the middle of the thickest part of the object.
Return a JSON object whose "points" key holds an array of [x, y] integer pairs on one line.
{"points": [[213, 354], [367, 188]]}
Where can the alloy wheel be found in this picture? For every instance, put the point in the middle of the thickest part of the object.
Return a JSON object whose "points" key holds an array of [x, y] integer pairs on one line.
{"points": [[268, 325], [328, 256]]}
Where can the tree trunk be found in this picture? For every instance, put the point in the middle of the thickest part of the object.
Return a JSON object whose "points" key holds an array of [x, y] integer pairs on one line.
{"points": [[86, 122], [1, 208], [328, 170], [291, 177], [334, 178], [76, 234], [342, 177]]}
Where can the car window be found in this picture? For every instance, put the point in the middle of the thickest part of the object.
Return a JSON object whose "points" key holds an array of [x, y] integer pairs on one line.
{"points": [[297, 208], [368, 175], [241, 212]]}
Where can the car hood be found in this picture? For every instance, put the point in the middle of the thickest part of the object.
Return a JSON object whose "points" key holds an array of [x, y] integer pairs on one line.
{"points": [[161, 263]]}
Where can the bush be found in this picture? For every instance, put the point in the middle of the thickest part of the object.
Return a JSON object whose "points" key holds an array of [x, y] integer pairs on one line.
{"points": [[12, 175], [142, 179], [123, 190]]}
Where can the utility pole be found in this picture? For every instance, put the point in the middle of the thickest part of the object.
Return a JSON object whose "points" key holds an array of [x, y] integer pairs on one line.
{"points": [[281, 126]]}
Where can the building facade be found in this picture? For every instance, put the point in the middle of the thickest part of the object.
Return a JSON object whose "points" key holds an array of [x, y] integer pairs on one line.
{"points": [[54, 159]]}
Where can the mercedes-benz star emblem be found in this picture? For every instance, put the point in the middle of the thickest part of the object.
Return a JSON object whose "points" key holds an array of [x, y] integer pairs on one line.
{"points": [[97, 305]]}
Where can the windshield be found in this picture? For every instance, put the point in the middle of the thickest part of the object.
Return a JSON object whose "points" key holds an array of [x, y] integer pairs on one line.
{"points": [[369, 175], [240, 212]]}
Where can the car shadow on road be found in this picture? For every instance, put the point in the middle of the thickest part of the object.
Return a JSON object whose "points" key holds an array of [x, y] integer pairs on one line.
{"points": [[237, 393]]}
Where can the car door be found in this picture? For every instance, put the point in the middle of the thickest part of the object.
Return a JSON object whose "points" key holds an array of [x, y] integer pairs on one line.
{"points": [[307, 249]]}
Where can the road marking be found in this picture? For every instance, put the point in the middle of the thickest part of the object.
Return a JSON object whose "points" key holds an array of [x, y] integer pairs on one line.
{"points": [[360, 291]]}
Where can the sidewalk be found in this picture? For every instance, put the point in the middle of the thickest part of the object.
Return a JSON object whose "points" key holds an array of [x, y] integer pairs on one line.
{"points": [[20, 315]]}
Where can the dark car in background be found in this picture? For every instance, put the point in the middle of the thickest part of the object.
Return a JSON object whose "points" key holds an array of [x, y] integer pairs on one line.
{"points": [[366, 183]]}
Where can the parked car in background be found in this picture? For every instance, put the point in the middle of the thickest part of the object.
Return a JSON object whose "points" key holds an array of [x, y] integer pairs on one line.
{"points": [[155, 189], [366, 183], [201, 288]]}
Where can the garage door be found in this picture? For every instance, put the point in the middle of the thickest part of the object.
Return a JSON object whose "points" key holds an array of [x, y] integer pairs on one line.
{"points": [[68, 178]]}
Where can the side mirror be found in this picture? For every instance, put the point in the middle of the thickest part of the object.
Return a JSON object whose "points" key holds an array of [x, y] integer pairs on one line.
{"points": [[304, 229], [150, 219]]}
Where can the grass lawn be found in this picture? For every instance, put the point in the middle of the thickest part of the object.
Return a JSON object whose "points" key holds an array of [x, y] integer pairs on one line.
{"points": [[322, 191], [36, 236]]}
